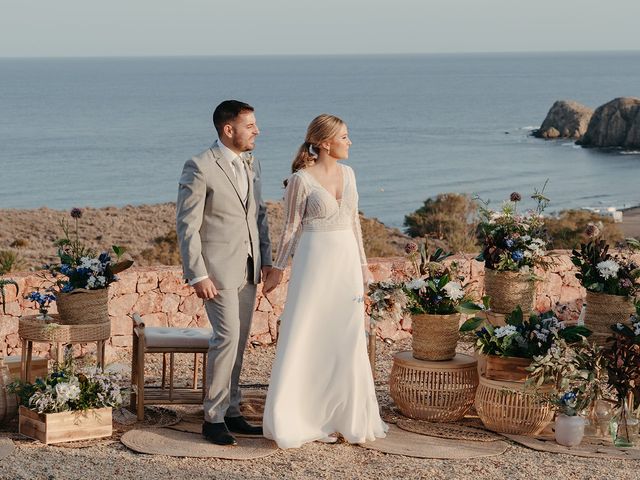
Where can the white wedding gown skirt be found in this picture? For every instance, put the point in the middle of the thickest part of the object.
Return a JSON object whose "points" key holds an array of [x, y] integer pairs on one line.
{"points": [[321, 381]]}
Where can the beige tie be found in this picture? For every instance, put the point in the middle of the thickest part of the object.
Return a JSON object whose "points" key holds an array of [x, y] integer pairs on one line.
{"points": [[241, 177]]}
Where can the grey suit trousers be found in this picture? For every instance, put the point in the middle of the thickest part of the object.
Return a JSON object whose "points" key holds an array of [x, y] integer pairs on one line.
{"points": [[230, 315]]}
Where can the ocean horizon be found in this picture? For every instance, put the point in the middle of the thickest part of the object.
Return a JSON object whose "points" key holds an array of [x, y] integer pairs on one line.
{"points": [[81, 131]]}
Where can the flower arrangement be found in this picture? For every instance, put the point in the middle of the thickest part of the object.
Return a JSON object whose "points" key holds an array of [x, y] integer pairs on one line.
{"points": [[388, 299], [81, 265], [601, 272], [42, 300], [570, 403], [64, 389], [437, 288], [3, 283], [523, 337], [513, 241]]}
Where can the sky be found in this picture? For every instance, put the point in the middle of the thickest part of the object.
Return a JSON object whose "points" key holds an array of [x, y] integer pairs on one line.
{"points": [[70, 28]]}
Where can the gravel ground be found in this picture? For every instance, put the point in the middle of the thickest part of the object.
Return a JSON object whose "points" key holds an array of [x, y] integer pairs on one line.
{"points": [[33, 460]]}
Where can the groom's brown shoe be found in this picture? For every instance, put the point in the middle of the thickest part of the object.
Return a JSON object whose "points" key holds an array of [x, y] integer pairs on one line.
{"points": [[240, 425], [218, 433]]}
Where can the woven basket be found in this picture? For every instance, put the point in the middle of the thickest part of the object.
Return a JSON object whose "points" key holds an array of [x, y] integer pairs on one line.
{"points": [[434, 391], [50, 331], [8, 401], [508, 290], [81, 306], [604, 310], [435, 336], [505, 407]]}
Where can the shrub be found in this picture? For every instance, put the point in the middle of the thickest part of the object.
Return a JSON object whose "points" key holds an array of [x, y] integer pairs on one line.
{"points": [[165, 250], [451, 217], [10, 261], [567, 229]]}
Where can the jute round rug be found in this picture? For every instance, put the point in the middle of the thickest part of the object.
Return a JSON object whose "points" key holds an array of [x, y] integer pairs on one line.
{"points": [[173, 443], [591, 447], [401, 442], [447, 430], [6, 447]]}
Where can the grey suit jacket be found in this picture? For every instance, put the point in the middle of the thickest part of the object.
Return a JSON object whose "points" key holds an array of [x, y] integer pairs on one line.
{"points": [[215, 228]]}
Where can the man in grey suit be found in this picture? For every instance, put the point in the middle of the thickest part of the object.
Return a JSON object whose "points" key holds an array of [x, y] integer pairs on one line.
{"points": [[224, 242]]}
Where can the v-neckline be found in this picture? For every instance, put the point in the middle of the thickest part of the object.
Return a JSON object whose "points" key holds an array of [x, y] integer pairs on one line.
{"points": [[344, 182]]}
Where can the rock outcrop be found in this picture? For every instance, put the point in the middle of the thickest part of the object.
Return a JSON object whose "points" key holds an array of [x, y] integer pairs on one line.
{"points": [[566, 119], [614, 124]]}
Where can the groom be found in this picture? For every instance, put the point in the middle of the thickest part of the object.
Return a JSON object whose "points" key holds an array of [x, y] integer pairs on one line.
{"points": [[224, 242]]}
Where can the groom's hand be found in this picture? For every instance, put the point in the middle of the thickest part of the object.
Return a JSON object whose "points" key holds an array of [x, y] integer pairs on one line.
{"points": [[274, 277], [205, 289]]}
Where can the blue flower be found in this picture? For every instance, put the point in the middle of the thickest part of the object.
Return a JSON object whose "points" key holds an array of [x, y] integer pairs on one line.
{"points": [[67, 288], [517, 255], [508, 243], [104, 258]]}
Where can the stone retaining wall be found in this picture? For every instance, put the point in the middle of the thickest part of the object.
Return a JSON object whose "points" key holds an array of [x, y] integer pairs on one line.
{"points": [[161, 297]]}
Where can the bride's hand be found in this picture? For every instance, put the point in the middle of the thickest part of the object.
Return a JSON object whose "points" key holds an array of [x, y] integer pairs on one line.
{"points": [[367, 276], [274, 277]]}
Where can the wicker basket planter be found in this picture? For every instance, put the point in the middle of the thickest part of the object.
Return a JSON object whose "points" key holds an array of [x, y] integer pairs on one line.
{"points": [[433, 391], [508, 290], [510, 369], [506, 407], [81, 306], [435, 337], [66, 426], [8, 401], [604, 310]]}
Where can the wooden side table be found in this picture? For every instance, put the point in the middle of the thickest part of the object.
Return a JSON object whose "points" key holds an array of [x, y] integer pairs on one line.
{"points": [[32, 329], [437, 391]]}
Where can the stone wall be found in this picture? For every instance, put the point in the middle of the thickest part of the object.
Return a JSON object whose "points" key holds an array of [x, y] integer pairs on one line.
{"points": [[160, 296]]}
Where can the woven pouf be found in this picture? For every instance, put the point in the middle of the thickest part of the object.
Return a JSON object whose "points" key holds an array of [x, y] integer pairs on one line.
{"points": [[506, 407], [508, 290], [431, 390], [604, 310]]}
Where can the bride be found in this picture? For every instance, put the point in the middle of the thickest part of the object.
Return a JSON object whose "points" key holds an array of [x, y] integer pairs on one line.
{"points": [[321, 383]]}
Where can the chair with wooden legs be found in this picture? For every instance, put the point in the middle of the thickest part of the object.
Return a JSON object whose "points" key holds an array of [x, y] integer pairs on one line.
{"points": [[166, 340]]}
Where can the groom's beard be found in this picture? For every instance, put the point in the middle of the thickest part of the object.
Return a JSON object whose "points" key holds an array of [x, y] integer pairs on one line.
{"points": [[244, 145]]}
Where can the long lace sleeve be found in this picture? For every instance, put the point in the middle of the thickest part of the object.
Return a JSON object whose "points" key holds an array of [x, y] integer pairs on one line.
{"points": [[355, 223], [294, 205]]}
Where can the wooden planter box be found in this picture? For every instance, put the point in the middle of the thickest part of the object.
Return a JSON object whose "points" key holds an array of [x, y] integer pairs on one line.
{"points": [[66, 426], [510, 369]]}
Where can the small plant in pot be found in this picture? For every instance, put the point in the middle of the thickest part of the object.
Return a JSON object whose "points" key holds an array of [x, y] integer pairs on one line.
{"points": [[569, 427], [434, 294]]}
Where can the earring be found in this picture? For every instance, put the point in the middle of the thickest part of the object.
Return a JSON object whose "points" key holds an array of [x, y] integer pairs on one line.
{"points": [[328, 149]]}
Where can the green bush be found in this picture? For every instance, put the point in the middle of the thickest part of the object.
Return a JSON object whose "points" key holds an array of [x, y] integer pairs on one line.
{"points": [[451, 217], [566, 230], [10, 261]]}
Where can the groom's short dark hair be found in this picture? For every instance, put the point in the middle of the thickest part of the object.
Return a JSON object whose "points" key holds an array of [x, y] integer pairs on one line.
{"points": [[228, 111]]}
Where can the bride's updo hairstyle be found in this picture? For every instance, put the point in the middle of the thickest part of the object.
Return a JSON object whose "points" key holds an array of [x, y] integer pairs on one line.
{"points": [[321, 129]]}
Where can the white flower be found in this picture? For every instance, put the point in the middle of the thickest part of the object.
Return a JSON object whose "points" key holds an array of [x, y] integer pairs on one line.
{"points": [[67, 391], [608, 269], [454, 291], [505, 331], [416, 284], [525, 269]]}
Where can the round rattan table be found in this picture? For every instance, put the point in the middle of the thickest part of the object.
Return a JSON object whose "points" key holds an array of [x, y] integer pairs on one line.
{"points": [[437, 391], [33, 329]]}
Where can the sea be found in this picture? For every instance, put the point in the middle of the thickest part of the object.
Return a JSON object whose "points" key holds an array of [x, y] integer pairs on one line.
{"points": [[116, 131]]}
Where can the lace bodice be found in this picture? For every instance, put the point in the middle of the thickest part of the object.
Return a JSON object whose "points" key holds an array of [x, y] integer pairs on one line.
{"points": [[309, 206]]}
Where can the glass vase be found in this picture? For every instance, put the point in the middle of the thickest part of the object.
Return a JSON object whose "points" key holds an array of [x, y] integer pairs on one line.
{"points": [[624, 427]]}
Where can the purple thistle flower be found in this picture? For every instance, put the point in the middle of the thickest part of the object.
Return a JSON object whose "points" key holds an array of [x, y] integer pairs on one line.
{"points": [[76, 213], [515, 197], [410, 248]]}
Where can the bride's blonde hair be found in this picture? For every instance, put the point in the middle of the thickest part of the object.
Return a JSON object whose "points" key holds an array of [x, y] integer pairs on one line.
{"points": [[321, 129]]}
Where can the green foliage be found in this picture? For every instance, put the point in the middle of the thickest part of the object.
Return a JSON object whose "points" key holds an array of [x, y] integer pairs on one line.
{"points": [[3, 283], [10, 261], [451, 217]]}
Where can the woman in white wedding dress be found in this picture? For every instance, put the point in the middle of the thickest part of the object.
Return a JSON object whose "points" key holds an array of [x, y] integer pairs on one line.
{"points": [[321, 382]]}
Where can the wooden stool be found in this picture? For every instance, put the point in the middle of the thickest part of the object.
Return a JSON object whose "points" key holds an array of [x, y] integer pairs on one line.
{"points": [[166, 340], [434, 391]]}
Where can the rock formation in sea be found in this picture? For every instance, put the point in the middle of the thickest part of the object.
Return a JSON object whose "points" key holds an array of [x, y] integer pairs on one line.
{"points": [[614, 124], [566, 119]]}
